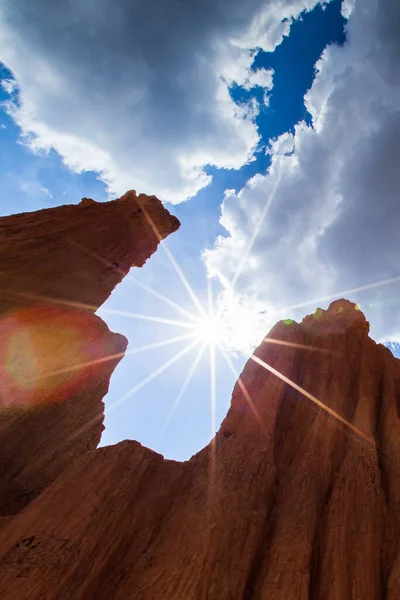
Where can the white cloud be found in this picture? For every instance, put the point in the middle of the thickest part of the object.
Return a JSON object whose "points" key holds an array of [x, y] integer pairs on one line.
{"points": [[284, 144], [347, 8], [331, 195], [9, 86], [139, 90]]}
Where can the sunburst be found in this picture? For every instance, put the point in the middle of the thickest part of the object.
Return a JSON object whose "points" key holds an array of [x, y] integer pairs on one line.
{"points": [[206, 331]]}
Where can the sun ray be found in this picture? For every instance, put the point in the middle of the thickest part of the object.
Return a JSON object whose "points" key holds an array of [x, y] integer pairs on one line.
{"points": [[184, 386], [361, 288], [211, 347], [178, 338], [213, 446], [50, 300], [153, 375], [212, 387], [315, 400], [182, 277], [173, 262], [240, 383], [160, 296], [110, 357], [268, 340], [133, 279], [136, 388], [131, 315], [256, 231], [209, 297], [101, 309], [212, 392], [165, 248]]}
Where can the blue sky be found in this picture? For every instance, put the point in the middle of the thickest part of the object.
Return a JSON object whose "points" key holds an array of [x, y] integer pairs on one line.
{"points": [[34, 174]]}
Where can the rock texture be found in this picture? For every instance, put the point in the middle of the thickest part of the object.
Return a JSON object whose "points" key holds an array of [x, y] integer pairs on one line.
{"points": [[296, 498], [292, 500], [78, 253], [56, 356]]}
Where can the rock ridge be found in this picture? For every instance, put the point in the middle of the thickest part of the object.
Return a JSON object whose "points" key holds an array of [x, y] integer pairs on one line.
{"points": [[296, 497], [58, 265], [94, 245]]}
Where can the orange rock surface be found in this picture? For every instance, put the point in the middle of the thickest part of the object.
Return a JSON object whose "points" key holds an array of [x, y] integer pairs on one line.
{"points": [[78, 253], [296, 498], [56, 356]]}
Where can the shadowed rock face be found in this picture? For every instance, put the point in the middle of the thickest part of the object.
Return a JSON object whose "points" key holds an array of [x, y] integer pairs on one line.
{"points": [[57, 266], [288, 501], [78, 253]]}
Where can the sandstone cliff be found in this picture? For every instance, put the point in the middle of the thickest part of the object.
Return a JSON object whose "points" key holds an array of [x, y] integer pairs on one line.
{"points": [[297, 497], [78, 253], [56, 356]]}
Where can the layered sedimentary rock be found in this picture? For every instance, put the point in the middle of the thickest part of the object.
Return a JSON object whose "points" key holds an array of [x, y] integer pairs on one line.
{"points": [[56, 356], [296, 497]]}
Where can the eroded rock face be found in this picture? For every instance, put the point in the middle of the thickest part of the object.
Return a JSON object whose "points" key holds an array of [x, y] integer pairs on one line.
{"points": [[289, 501], [56, 356], [56, 366], [78, 253]]}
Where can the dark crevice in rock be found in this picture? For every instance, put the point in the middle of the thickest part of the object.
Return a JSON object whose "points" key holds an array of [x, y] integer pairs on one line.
{"points": [[251, 590]]}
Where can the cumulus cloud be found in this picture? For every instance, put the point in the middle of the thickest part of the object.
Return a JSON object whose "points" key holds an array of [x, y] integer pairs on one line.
{"points": [[139, 91], [327, 213]]}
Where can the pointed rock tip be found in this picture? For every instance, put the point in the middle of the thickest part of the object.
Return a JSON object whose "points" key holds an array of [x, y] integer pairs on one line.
{"points": [[339, 317], [160, 219]]}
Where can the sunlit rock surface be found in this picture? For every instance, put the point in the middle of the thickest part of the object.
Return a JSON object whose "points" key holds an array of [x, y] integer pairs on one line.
{"points": [[289, 501], [57, 266], [297, 496], [78, 253]]}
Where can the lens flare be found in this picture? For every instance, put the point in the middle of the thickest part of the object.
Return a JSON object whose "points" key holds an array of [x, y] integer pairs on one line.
{"points": [[48, 352]]}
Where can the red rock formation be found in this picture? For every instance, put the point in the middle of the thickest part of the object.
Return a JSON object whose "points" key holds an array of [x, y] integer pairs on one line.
{"points": [[78, 253], [56, 357], [297, 497]]}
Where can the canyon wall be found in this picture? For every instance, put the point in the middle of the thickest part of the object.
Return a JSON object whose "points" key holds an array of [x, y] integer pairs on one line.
{"points": [[296, 498], [58, 266]]}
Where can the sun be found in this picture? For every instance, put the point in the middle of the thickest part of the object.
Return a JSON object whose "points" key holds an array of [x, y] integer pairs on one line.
{"points": [[210, 329]]}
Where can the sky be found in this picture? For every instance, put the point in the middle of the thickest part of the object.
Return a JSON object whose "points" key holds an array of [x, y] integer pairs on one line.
{"points": [[269, 128]]}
